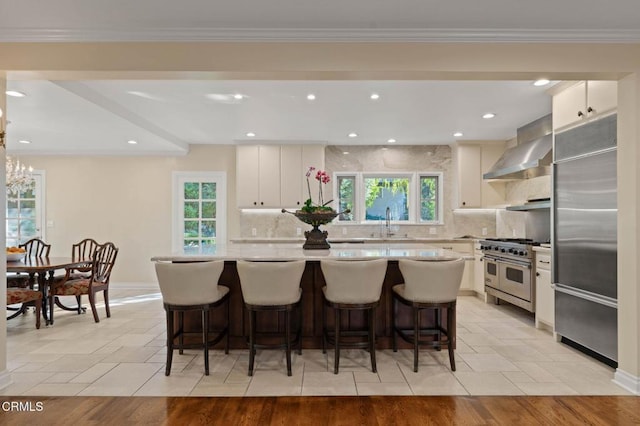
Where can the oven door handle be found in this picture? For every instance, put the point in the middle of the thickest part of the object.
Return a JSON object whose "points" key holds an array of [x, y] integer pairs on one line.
{"points": [[503, 261]]}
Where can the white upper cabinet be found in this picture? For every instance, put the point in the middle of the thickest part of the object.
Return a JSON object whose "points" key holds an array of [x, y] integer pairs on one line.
{"points": [[273, 176], [258, 175], [295, 161], [474, 159], [469, 175], [582, 101]]}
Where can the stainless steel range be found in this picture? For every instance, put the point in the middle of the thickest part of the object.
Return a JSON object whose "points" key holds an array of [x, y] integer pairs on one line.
{"points": [[508, 272]]}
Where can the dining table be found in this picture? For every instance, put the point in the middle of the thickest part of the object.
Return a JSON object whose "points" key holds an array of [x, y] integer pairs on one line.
{"points": [[42, 269]]}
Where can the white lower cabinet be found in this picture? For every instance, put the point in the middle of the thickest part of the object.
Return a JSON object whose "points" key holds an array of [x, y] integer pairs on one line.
{"points": [[467, 249], [545, 302], [478, 274]]}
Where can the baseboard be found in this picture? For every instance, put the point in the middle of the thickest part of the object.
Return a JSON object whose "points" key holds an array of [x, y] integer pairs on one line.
{"points": [[5, 379], [128, 285], [627, 381]]}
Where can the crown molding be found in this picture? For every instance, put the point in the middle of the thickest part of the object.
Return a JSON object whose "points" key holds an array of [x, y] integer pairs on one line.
{"points": [[443, 35]]}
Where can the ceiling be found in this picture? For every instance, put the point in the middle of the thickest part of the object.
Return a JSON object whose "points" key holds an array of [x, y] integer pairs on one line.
{"points": [[165, 117], [311, 19], [100, 117]]}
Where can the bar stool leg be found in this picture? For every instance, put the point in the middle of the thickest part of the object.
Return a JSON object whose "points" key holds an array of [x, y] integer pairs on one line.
{"points": [[451, 312], [394, 333], [226, 341], [337, 341], [287, 327], [181, 331], [416, 337], [205, 340], [169, 313], [300, 328], [372, 338], [252, 320], [438, 327], [324, 328]]}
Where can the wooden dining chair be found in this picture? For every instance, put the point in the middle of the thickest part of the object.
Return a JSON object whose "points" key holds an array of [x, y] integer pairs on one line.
{"points": [[18, 295], [34, 247], [101, 267], [84, 249]]}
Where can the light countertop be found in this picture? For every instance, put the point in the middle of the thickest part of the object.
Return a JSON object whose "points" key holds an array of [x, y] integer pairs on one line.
{"points": [[294, 251], [352, 240]]}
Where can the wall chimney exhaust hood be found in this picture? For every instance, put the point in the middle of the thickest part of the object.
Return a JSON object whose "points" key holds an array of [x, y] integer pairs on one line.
{"points": [[524, 161], [532, 156]]}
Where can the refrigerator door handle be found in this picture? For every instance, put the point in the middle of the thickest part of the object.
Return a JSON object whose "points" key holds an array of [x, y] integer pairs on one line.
{"points": [[607, 301]]}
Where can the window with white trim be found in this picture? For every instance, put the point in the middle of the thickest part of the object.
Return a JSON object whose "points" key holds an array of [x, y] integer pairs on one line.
{"points": [[25, 213], [412, 197], [199, 210]]}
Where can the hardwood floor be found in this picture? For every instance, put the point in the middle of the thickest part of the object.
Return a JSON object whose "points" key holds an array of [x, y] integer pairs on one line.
{"points": [[373, 410]]}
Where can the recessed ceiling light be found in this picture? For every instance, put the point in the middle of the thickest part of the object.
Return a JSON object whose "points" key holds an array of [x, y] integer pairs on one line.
{"points": [[132, 142], [391, 140], [375, 96], [457, 134], [345, 152], [353, 135], [251, 134], [541, 82], [15, 94], [489, 115], [24, 141], [238, 96], [311, 96]]}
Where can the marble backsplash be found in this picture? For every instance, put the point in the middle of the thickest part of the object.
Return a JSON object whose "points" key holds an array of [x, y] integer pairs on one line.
{"points": [[274, 224]]}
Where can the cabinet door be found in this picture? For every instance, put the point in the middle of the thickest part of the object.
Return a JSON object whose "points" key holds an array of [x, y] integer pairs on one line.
{"points": [[247, 175], [478, 274], [492, 192], [269, 171], [602, 96], [569, 104], [463, 248], [291, 176], [544, 298], [469, 175]]}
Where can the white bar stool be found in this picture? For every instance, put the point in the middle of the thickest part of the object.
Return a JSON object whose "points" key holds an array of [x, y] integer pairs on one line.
{"points": [[272, 286], [428, 285], [187, 287], [352, 285]]}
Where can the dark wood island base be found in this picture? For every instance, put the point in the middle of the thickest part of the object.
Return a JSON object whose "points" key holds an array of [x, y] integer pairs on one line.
{"points": [[312, 305]]}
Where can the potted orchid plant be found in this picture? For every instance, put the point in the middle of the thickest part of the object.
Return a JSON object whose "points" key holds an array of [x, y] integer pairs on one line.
{"points": [[321, 206]]}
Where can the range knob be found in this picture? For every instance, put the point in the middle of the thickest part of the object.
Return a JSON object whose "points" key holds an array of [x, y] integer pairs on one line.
{"points": [[503, 250], [512, 251], [522, 253]]}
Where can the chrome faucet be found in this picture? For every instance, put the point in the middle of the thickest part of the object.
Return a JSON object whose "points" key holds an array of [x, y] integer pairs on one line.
{"points": [[388, 222]]}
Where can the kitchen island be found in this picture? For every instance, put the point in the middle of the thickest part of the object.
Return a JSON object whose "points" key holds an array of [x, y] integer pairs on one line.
{"points": [[312, 282]]}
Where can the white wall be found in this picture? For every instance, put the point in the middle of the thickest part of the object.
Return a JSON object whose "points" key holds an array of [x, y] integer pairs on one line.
{"points": [[126, 200]]}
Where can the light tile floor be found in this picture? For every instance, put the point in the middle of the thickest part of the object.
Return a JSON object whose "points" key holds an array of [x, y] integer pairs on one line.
{"points": [[499, 353]]}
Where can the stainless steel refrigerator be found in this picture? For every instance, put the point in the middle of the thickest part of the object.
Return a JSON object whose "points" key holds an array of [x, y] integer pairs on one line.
{"points": [[584, 236]]}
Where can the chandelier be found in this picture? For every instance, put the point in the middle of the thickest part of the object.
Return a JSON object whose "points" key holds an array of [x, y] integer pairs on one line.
{"points": [[19, 177]]}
